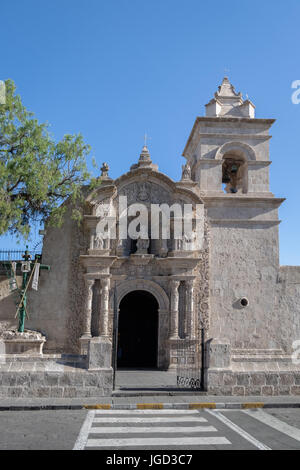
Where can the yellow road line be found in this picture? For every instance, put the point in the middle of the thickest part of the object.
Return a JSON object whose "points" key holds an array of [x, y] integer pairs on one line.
{"points": [[252, 405], [106, 406], [149, 406], [194, 406]]}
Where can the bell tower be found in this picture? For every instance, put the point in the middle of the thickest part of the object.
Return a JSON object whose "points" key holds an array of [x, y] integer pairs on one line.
{"points": [[228, 149], [228, 153]]}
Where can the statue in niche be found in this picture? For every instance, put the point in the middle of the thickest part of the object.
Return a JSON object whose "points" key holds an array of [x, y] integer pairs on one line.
{"points": [[178, 242], [142, 246], [120, 245], [103, 210], [186, 172], [100, 242], [189, 240]]}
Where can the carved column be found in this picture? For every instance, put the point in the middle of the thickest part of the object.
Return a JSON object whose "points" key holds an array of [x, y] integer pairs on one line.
{"points": [[174, 314], [163, 247], [190, 308], [104, 309], [88, 307]]}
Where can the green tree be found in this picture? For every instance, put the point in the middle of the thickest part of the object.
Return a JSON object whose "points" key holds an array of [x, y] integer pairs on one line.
{"points": [[37, 174]]}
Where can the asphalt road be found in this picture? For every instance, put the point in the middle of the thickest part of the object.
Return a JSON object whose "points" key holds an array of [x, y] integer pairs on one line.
{"points": [[150, 429]]}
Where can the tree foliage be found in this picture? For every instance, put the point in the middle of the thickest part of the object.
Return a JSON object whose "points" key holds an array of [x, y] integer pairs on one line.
{"points": [[37, 174]]}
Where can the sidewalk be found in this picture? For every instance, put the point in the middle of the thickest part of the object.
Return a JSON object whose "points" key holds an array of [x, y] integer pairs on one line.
{"points": [[156, 402]]}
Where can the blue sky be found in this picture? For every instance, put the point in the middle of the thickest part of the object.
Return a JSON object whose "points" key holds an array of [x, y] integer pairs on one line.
{"points": [[115, 69]]}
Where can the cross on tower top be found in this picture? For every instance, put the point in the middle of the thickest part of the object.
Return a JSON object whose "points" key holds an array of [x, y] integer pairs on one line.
{"points": [[146, 138]]}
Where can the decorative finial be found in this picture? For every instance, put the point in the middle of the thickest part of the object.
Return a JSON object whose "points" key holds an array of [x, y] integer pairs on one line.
{"points": [[145, 159], [104, 170], [145, 155], [226, 71], [186, 172]]}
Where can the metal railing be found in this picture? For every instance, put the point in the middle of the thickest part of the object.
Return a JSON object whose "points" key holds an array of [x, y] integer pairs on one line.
{"points": [[16, 255]]}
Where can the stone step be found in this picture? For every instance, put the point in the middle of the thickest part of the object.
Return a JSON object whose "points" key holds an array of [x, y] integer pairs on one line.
{"points": [[254, 352], [261, 358], [60, 358], [155, 393]]}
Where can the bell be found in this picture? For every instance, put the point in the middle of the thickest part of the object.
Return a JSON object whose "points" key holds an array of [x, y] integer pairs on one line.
{"points": [[234, 168]]}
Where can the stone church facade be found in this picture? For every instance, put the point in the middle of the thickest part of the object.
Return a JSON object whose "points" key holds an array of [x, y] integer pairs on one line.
{"points": [[229, 286]]}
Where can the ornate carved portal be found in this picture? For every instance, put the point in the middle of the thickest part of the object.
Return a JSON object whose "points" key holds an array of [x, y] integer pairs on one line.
{"points": [[167, 284]]}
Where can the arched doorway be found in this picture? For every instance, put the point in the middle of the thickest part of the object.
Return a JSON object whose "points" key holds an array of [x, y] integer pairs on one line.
{"points": [[138, 330]]}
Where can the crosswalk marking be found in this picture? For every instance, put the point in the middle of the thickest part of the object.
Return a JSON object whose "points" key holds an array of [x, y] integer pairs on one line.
{"points": [[84, 431], [275, 423], [166, 441], [149, 419], [236, 428], [147, 412], [142, 429], [151, 429]]}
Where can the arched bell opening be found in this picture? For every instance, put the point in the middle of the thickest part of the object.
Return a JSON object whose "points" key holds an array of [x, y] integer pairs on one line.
{"points": [[234, 173]]}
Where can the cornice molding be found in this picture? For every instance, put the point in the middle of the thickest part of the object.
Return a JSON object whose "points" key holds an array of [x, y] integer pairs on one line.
{"points": [[233, 201], [225, 120], [235, 136], [244, 222]]}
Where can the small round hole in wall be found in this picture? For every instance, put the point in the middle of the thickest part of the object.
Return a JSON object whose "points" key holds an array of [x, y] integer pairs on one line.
{"points": [[244, 302]]}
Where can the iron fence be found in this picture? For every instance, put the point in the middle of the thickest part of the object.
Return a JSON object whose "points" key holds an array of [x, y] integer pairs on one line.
{"points": [[191, 363], [16, 255]]}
